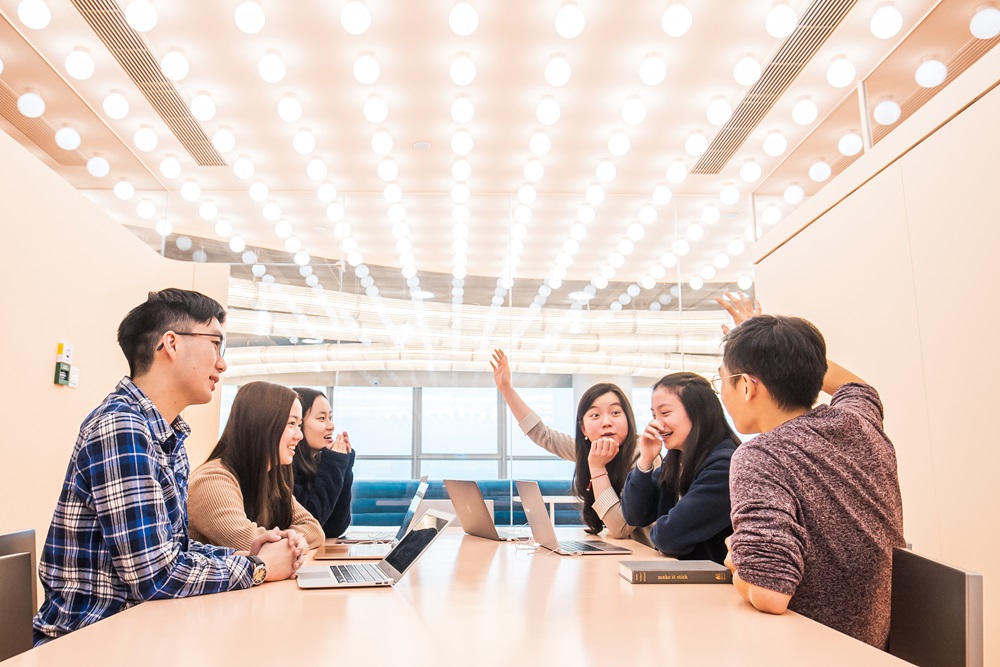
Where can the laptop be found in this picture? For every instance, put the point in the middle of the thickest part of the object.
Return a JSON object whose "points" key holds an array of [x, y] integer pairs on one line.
{"points": [[476, 518], [545, 533], [387, 571], [361, 545]]}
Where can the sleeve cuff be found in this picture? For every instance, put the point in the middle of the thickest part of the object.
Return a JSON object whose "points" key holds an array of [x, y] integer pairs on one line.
{"points": [[240, 572], [604, 502], [529, 422]]}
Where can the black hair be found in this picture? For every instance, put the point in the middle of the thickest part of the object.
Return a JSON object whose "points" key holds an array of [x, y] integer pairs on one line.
{"points": [[306, 461], [786, 354], [708, 428], [161, 312], [618, 468]]}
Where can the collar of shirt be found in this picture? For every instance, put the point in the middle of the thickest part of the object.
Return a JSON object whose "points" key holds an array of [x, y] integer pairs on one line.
{"points": [[167, 436]]}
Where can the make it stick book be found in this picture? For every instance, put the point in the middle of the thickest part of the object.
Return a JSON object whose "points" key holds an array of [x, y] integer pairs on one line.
{"points": [[674, 572]]}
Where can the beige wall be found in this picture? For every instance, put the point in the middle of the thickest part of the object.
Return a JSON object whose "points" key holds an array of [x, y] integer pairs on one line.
{"points": [[69, 274], [899, 274]]}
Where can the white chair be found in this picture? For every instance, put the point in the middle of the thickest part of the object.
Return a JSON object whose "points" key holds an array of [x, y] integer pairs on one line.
{"points": [[937, 613], [18, 592]]}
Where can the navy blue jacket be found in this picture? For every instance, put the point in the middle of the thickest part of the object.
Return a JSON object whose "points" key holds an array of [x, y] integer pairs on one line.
{"points": [[693, 527], [327, 495]]}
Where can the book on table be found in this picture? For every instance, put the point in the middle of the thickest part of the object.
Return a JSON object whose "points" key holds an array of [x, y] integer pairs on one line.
{"points": [[674, 572]]}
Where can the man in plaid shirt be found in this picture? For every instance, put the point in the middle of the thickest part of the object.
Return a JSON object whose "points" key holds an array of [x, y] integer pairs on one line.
{"points": [[119, 533]]}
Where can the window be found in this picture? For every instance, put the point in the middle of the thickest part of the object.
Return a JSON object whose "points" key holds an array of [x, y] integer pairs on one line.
{"points": [[556, 408], [379, 420], [459, 421]]}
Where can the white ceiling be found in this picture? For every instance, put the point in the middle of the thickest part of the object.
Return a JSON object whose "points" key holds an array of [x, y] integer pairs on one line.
{"points": [[414, 47]]}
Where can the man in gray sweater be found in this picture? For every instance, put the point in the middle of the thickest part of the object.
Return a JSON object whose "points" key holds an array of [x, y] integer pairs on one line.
{"points": [[816, 506]]}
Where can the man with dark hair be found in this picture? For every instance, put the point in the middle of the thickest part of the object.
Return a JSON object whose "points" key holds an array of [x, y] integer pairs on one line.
{"points": [[119, 532], [816, 506]]}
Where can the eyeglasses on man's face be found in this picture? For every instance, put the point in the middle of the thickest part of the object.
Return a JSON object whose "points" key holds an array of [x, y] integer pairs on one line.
{"points": [[218, 340], [717, 381]]}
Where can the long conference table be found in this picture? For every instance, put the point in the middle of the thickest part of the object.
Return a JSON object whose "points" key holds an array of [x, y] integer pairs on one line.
{"points": [[466, 601]]}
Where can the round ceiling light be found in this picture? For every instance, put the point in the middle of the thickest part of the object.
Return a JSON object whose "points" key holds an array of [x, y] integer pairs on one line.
{"points": [[775, 144], [634, 111], [539, 144], [805, 112], [271, 68], [931, 73], [80, 65], [886, 22], [115, 106], [366, 70], [548, 111], [462, 110], [203, 107], [243, 167], [570, 21], [781, 21], [145, 139], [729, 194], [68, 139], [886, 112], [710, 215], [124, 190], [677, 172], [316, 169], [557, 71], [190, 191], [175, 66], [141, 15], [460, 171], [382, 143], [249, 18], [986, 23], [794, 194], [461, 143], [619, 143], [819, 171], [676, 20], [289, 109], [355, 18], [98, 167], [304, 142], [841, 73], [170, 167], [463, 19], [462, 70], [750, 171], [719, 112], [696, 144], [34, 14], [652, 71], [747, 71], [606, 171], [850, 144], [533, 171]]}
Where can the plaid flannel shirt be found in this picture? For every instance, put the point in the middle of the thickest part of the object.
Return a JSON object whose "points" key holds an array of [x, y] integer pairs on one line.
{"points": [[119, 534]]}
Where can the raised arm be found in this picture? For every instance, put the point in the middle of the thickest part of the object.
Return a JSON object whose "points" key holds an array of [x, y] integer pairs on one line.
{"points": [[501, 376]]}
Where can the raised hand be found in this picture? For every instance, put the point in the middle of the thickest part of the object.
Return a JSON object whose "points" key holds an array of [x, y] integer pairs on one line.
{"points": [[739, 306], [342, 444], [501, 369]]}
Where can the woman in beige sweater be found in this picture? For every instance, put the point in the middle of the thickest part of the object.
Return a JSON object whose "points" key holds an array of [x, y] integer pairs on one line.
{"points": [[245, 487]]}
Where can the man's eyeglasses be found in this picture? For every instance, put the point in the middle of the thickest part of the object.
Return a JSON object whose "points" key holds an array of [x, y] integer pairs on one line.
{"points": [[219, 340], [717, 381]]}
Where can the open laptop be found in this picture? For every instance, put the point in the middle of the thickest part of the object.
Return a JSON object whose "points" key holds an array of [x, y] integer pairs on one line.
{"points": [[545, 533], [361, 545], [470, 506], [387, 571]]}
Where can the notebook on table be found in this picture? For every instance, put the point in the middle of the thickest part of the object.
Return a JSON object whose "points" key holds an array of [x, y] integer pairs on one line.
{"points": [[361, 545], [545, 533], [387, 571], [470, 506]]}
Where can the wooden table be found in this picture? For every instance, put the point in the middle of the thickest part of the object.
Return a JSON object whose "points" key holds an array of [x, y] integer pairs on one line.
{"points": [[466, 601]]}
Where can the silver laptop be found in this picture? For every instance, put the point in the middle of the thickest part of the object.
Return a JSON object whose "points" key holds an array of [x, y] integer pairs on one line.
{"points": [[470, 506], [361, 546], [387, 571], [545, 533]]}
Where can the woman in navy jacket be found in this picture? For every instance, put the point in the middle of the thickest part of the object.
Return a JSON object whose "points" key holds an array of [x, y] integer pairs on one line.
{"points": [[687, 496], [324, 467]]}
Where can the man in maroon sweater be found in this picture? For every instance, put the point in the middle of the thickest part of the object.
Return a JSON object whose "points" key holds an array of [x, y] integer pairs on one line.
{"points": [[816, 506]]}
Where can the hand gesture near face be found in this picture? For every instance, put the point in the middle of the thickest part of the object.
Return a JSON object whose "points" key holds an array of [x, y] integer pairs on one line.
{"points": [[342, 444], [602, 451], [650, 444], [739, 306], [501, 369]]}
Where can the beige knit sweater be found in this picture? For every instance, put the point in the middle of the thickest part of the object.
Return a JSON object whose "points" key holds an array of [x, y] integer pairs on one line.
{"points": [[216, 515]]}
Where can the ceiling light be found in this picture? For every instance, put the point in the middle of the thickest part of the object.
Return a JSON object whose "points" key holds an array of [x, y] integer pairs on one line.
{"points": [[460, 230], [695, 232], [819, 171], [747, 71], [79, 65], [292, 244], [618, 143], [578, 231], [570, 21], [793, 194], [586, 214], [145, 139], [533, 171], [123, 190], [775, 144], [781, 21], [931, 73], [202, 107], [595, 194], [850, 144], [289, 109], [886, 22], [461, 143], [696, 283], [461, 170], [581, 296], [539, 144], [462, 70], [770, 214], [463, 19], [237, 244], [719, 112], [557, 71], [258, 192], [886, 112], [526, 194], [393, 194], [460, 193], [548, 111], [224, 140], [31, 105], [600, 282], [722, 260], [381, 143], [249, 17], [170, 167], [175, 66], [462, 110], [355, 18], [710, 215], [735, 247], [223, 229], [301, 258], [271, 68], [984, 25], [243, 167], [616, 260], [744, 283], [676, 20], [163, 227], [366, 70], [677, 172], [354, 259], [707, 272], [141, 15], [335, 213], [661, 196], [634, 111], [190, 191], [34, 14], [145, 209], [841, 73], [460, 214], [729, 194], [375, 109], [805, 112], [647, 214], [115, 106], [606, 171], [750, 171], [696, 144], [304, 142], [652, 71], [98, 167], [67, 139], [271, 212]]}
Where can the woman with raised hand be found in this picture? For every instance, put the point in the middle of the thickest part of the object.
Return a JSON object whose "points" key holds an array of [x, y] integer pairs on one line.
{"points": [[603, 447], [686, 498], [245, 487]]}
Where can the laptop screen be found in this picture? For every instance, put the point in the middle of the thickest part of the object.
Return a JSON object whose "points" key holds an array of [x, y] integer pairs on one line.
{"points": [[427, 527], [411, 510]]}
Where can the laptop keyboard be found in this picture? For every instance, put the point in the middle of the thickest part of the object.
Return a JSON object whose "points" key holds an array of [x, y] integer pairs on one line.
{"points": [[374, 550], [353, 574], [572, 545]]}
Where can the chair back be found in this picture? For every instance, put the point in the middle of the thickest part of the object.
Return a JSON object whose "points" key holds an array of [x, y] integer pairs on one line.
{"points": [[16, 587], [18, 543], [937, 613]]}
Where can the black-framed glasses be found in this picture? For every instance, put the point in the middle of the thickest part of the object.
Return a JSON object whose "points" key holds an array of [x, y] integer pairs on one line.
{"points": [[717, 381], [220, 342]]}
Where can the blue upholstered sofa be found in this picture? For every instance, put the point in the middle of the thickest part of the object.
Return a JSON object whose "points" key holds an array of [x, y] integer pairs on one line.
{"points": [[384, 502]]}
